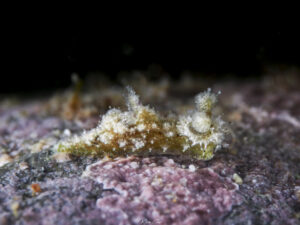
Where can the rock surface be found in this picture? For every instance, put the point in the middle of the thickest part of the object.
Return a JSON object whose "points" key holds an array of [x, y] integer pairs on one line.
{"points": [[255, 180]]}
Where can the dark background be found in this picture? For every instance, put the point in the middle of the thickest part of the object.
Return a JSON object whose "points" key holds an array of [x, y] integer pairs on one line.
{"points": [[43, 59]]}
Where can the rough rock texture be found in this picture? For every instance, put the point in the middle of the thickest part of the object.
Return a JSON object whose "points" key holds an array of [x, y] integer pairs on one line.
{"points": [[255, 180], [160, 191]]}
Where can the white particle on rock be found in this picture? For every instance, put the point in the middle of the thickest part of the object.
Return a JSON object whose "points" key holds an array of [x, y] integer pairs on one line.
{"points": [[134, 165], [4, 159], [23, 166], [237, 179], [61, 157], [183, 181], [192, 168], [107, 167], [67, 132]]}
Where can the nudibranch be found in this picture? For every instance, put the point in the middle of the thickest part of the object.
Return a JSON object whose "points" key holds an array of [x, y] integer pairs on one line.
{"points": [[142, 131]]}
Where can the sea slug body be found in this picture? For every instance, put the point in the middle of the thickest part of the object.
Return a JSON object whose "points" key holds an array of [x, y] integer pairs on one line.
{"points": [[142, 131]]}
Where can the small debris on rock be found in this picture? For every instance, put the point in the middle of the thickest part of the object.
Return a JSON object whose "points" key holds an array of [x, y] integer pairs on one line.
{"points": [[237, 179], [36, 188], [297, 192], [37, 147], [14, 208], [4, 159], [23, 165], [192, 168], [61, 157]]}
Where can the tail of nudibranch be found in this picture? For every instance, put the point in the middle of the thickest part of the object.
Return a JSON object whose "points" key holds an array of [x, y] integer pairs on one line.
{"points": [[142, 131]]}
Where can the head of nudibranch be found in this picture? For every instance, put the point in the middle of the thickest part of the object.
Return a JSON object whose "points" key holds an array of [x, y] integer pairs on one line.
{"points": [[204, 131], [142, 131]]}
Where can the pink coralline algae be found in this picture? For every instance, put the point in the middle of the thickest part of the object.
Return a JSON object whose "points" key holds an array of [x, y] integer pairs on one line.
{"points": [[161, 191]]}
